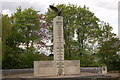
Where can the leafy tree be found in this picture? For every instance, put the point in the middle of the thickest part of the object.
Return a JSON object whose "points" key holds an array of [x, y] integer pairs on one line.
{"points": [[108, 54], [79, 21], [43, 32], [25, 23], [83, 33], [107, 49], [27, 28], [105, 33], [87, 29], [6, 28]]}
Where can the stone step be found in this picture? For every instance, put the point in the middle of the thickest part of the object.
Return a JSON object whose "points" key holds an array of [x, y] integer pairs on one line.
{"points": [[98, 76]]}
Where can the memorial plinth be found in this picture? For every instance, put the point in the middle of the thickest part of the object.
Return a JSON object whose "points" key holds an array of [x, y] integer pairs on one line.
{"points": [[58, 66]]}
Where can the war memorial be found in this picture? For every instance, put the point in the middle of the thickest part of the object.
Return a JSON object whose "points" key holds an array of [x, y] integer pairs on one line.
{"points": [[59, 66]]}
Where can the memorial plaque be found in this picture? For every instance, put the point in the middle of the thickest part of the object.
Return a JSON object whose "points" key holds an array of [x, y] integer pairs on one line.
{"points": [[72, 67], [45, 68]]}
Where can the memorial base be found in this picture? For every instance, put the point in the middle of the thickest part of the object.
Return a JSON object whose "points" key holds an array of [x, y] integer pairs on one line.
{"points": [[49, 68]]}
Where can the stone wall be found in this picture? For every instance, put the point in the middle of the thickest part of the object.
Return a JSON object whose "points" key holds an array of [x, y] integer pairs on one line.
{"points": [[67, 70], [49, 68], [72, 66], [91, 69], [16, 71], [45, 68], [101, 70]]}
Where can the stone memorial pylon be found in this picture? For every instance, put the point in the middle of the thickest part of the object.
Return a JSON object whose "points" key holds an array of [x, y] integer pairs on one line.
{"points": [[58, 66], [58, 40]]}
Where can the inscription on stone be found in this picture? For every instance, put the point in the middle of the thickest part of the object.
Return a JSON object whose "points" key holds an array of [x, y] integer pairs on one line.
{"points": [[59, 23], [59, 44], [72, 63], [46, 65]]}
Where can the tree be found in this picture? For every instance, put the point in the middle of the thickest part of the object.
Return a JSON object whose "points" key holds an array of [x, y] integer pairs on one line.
{"points": [[28, 28], [83, 33], [108, 54], [7, 57], [79, 21], [25, 23], [43, 32], [105, 33], [107, 49], [6, 29], [86, 30]]}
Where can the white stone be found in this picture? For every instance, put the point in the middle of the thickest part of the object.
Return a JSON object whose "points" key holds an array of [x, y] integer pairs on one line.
{"points": [[58, 40], [49, 68], [72, 66], [45, 68], [104, 69]]}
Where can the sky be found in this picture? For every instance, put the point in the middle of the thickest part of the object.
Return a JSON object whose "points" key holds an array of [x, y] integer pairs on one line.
{"points": [[105, 10]]}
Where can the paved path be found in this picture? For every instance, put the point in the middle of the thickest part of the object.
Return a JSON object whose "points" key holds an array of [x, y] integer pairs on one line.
{"points": [[31, 75]]}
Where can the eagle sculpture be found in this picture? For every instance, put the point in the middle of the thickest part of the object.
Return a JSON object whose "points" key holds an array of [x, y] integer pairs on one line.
{"points": [[58, 12]]}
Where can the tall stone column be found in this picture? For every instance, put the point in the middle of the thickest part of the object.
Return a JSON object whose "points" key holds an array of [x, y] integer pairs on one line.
{"points": [[58, 43]]}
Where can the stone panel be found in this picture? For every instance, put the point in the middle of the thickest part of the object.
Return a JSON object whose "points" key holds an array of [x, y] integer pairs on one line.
{"points": [[72, 66], [45, 68], [52, 68]]}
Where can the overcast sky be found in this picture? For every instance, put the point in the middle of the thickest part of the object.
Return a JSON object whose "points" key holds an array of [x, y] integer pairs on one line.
{"points": [[105, 10]]}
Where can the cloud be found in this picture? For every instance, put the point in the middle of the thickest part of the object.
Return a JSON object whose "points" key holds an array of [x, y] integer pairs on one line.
{"points": [[106, 4], [103, 6], [12, 6], [105, 10], [7, 11]]}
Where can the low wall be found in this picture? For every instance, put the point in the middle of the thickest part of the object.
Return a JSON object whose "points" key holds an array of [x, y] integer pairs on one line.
{"points": [[16, 71], [91, 69], [101, 70], [82, 69]]}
